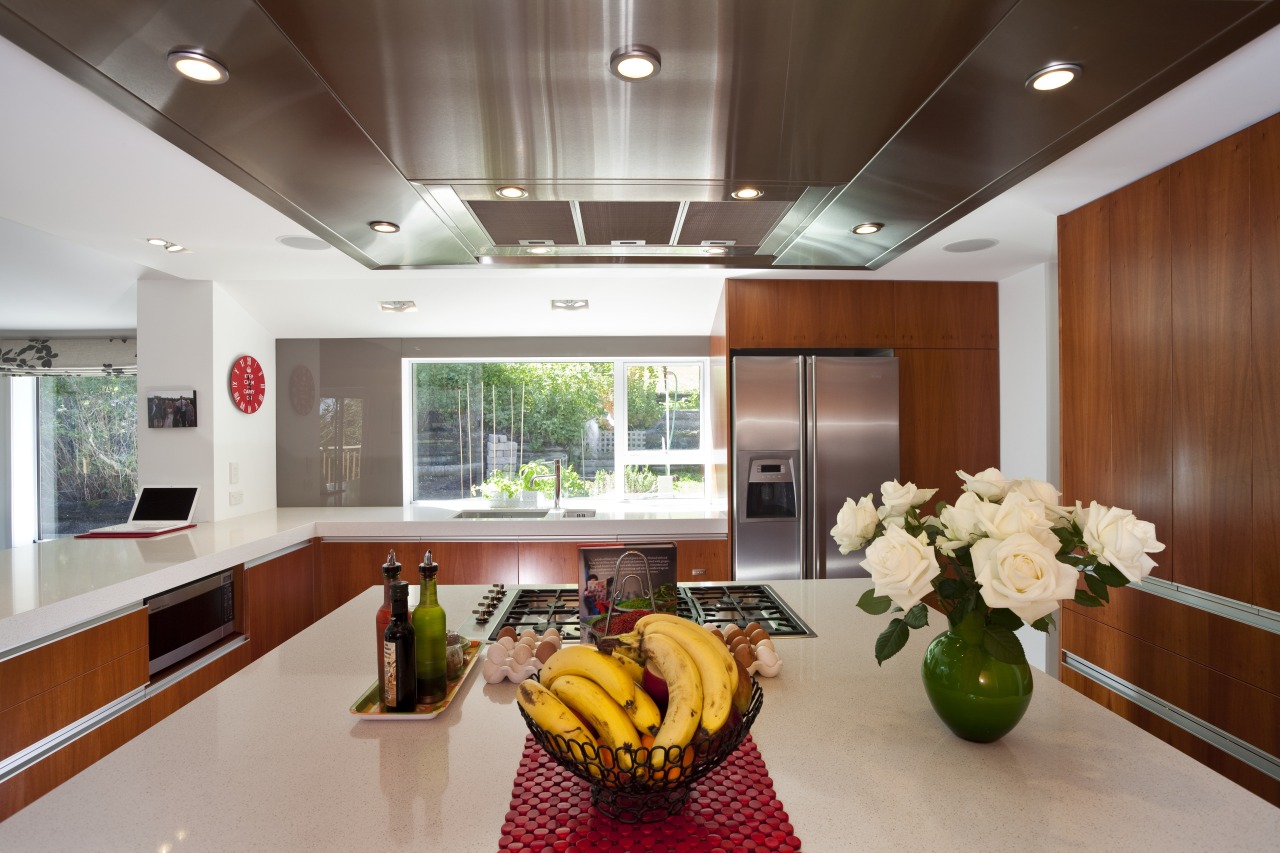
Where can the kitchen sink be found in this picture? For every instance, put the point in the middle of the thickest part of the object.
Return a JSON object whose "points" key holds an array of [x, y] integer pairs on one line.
{"points": [[501, 513]]}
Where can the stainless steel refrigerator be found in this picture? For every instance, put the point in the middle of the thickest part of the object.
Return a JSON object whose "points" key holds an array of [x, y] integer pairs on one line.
{"points": [[808, 432]]}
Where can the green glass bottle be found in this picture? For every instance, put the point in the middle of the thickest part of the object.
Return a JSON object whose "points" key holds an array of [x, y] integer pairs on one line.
{"points": [[429, 630]]}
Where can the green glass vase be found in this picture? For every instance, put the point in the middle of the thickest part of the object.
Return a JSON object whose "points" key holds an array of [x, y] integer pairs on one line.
{"points": [[979, 698]]}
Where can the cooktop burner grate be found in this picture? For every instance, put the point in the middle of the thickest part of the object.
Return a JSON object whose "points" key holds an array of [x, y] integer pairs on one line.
{"points": [[540, 608]]}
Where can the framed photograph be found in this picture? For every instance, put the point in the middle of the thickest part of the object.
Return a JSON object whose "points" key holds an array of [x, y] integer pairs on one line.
{"points": [[168, 408]]}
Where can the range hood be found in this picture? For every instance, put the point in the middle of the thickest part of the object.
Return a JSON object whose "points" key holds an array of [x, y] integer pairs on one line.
{"points": [[839, 112]]}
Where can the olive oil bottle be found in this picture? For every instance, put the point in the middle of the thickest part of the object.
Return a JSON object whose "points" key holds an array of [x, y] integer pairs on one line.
{"points": [[429, 628], [399, 670]]}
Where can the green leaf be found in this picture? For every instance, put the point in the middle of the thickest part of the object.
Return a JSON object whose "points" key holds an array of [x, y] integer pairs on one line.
{"points": [[1003, 617], [1003, 645], [891, 640], [918, 616], [874, 604], [1110, 575], [950, 588], [1097, 587], [1044, 623], [1067, 538], [1084, 599]]}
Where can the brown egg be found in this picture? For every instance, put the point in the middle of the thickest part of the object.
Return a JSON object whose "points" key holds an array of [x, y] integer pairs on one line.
{"points": [[738, 642], [507, 632], [745, 655], [731, 632], [751, 628], [757, 635], [715, 632], [544, 650]]}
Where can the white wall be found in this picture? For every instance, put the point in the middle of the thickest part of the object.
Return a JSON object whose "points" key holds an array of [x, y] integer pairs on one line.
{"points": [[6, 451], [1029, 400], [189, 334]]}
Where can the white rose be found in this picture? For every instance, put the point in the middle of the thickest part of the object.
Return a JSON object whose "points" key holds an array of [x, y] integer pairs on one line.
{"points": [[1046, 493], [989, 484], [902, 566], [960, 522], [855, 524], [1118, 538], [1017, 515], [897, 499], [1023, 575]]}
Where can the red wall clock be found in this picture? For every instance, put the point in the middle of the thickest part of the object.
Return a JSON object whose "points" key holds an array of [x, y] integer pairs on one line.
{"points": [[248, 384]]}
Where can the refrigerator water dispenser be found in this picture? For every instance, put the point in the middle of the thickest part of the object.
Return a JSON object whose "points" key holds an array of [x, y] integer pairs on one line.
{"points": [[771, 489]]}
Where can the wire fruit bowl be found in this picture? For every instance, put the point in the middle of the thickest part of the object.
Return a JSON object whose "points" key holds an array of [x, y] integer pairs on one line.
{"points": [[643, 785]]}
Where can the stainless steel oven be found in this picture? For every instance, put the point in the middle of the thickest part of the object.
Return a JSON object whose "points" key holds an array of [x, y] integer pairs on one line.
{"points": [[192, 617]]}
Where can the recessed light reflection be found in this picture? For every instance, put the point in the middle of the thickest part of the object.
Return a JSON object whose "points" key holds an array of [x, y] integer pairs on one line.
{"points": [[196, 66], [512, 192], [1053, 76], [867, 228], [747, 193], [635, 63], [384, 227]]}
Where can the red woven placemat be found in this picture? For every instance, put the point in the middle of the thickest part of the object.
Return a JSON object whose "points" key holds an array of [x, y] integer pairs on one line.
{"points": [[732, 810]]}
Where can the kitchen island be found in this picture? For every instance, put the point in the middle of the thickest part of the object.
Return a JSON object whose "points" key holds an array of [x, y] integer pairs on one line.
{"points": [[272, 760]]}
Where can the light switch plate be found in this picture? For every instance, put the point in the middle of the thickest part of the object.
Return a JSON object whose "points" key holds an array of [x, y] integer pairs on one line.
{"points": [[234, 473]]}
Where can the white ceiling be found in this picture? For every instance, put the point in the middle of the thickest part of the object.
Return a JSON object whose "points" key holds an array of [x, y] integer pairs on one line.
{"points": [[82, 186]]}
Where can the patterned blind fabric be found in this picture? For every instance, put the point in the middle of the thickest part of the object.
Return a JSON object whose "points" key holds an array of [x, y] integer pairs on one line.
{"points": [[69, 356]]}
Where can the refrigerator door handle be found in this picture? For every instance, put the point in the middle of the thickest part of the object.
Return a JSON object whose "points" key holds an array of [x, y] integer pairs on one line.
{"points": [[812, 564]]}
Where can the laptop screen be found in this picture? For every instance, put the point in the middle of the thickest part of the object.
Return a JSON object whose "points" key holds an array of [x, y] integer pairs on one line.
{"points": [[165, 503]]}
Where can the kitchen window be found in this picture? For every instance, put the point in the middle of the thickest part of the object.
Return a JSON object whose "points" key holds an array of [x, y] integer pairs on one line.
{"points": [[625, 428]]}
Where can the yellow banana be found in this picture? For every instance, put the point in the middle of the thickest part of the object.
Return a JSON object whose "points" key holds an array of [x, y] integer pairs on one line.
{"points": [[634, 669], [554, 717], [591, 663], [606, 716], [644, 713], [698, 633], [684, 688], [719, 673]]}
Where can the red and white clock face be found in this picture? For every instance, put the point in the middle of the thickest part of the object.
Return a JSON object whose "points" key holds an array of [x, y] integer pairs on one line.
{"points": [[248, 384]]}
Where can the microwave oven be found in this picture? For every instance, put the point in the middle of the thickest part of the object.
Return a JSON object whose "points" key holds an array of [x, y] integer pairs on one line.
{"points": [[188, 619]]}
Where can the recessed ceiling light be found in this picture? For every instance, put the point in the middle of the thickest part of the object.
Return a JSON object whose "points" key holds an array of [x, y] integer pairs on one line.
{"points": [[975, 245], [568, 304], [157, 241], [868, 228], [174, 247], [297, 241], [167, 245], [1053, 76], [512, 192], [384, 227], [747, 193], [539, 250], [393, 306], [194, 65], [635, 62], [714, 250]]}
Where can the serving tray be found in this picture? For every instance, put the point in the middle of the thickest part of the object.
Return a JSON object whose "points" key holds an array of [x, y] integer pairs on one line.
{"points": [[369, 707]]}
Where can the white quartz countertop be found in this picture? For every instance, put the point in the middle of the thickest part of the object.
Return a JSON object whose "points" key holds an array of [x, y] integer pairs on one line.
{"points": [[51, 586], [272, 760]]}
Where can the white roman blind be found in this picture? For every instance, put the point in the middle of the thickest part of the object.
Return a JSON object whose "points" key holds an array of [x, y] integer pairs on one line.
{"points": [[69, 357]]}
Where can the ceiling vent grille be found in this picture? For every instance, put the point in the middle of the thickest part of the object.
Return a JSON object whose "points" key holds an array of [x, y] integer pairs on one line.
{"points": [[510, 222], [746, 223], [651, 223]]}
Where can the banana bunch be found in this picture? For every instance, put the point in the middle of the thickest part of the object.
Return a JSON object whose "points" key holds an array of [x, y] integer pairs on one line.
{"points": [[582, 684]]}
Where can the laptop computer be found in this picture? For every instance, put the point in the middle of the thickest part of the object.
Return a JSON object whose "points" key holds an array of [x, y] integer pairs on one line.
{"points": [[157, 509]]}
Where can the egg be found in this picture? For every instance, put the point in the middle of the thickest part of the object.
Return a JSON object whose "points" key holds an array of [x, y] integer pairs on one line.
{"points": [[508, 631], [745, 655], [521, 654], [551, 635], [767, 656], [544, 651], [751, 628], [527, 642], [497, 654], [530, 633], [731, 632], [738, 642], [764, 644], [758, 635], [716, 632], [507, 643]]}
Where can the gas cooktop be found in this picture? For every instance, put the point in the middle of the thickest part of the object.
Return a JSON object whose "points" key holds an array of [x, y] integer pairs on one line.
{"points": [[540, 608]]}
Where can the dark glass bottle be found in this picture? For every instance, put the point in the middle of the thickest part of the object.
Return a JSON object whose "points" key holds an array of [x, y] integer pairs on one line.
{"points": [[429, 628], [399, 670], [390, 574]]}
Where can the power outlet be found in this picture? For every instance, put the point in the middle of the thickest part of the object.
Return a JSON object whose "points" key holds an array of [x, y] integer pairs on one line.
{"points": [[233, 473], [235, 498]]}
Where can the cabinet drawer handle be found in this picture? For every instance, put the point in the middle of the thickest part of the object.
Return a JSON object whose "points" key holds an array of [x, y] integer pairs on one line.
{"points": [[697, 572]]}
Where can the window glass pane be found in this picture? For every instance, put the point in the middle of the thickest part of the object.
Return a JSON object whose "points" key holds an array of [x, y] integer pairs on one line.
{"points": [[663, 481], [491, 428], [87, 451], [664, 406]]}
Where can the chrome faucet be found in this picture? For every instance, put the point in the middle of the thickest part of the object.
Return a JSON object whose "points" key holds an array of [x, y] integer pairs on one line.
{"points": [[548, 477]]}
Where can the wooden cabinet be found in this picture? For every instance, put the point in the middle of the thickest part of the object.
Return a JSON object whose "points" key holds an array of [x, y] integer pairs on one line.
{"points": [[215, 671], [786, 314], [280, 598], [1264, 180], [703, 560], [548, 562], [946, 314], [57, 684]]}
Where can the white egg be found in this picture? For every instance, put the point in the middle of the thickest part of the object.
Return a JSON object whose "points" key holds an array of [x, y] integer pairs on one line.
{"points": [[766, 655], [766, 643], [497, 654], [530, 633], [507, 643], [521, 654], [551, 634]]}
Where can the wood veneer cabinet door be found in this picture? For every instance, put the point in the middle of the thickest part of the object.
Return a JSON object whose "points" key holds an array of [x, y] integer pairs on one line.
{"points": [[1213, 412], [549, 562], [949, 416], [1142, 359], [703, 560], [1084, 342], [799, 314], [280, 598], [349, 568], [475, 562], [946, 314], [1264, 147]]}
